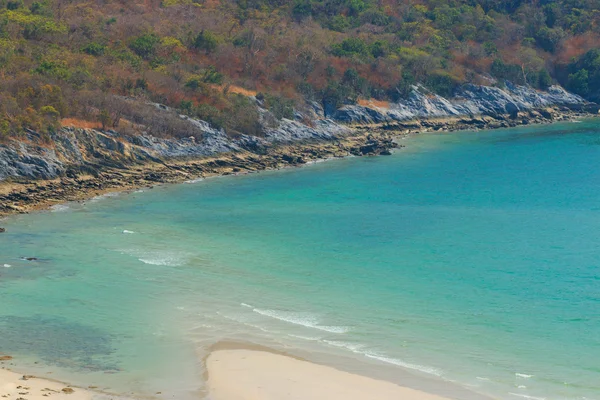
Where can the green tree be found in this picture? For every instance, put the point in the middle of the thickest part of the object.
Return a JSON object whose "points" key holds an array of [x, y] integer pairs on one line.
{"points": [[379, 48], [302, 9], [544, 79], [206, 41], [50, 112], [349, 47], [94, 49], [145, 45], [442, 83], [333, 96], [549, 39], [578, 82], [104, 118]]}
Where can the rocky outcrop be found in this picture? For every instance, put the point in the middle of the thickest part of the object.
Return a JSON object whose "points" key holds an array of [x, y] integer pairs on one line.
{"points": [[470, 100], [291, 131], [33, 162], [73, 152], [354, 114], [33, 194], [376, 147]]}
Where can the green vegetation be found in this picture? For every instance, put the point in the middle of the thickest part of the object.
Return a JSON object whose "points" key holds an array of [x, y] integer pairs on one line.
{"points": [[79, 59], [584, 75]]}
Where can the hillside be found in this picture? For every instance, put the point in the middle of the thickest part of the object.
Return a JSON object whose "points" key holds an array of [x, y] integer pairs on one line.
{"points": [[80, 63]]}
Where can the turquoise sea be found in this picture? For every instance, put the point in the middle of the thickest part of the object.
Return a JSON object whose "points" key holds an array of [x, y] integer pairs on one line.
{"points": [[468, 259]]}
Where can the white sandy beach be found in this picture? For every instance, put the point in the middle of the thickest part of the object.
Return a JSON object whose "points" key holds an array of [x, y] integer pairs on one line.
{"points": [[13, 386], [261, 375]]}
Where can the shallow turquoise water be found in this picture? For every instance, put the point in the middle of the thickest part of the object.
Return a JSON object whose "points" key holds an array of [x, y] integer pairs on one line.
{"points": [[469, 257]]}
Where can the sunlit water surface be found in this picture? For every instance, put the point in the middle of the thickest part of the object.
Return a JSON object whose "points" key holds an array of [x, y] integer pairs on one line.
{"points": [[469, 257]]}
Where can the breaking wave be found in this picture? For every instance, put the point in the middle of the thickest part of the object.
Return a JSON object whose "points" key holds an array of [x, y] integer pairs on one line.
{"points": [[158, 257], [302, 319], [400, 363]]}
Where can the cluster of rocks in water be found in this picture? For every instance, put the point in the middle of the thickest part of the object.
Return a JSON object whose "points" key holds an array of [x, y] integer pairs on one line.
{"points": [[80, 163]]}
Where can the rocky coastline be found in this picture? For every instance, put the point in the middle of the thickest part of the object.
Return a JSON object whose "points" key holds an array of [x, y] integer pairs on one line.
{"points": [[82, 163], [25, 195]]}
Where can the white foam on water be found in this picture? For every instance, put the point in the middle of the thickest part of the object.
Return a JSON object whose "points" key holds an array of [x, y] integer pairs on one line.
{"points": [[521, 387], [242, 321], [333, 329], [59, 208], [158, 257], [164, 260], [303, 319], [527, 396], [7, 266], [127, 232], [524, 376], [235, 318], [191, 181], [400, 363], [353, 347], [181, 308], [103, 196], [310, 338], [312, 321], [483, 379], [260, 328]]}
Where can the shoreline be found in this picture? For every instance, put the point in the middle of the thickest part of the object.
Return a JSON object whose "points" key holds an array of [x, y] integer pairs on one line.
{"points": [[15, 385], [334, 377], [259, 373], [24, 196], [21, 196], [263, 375]]}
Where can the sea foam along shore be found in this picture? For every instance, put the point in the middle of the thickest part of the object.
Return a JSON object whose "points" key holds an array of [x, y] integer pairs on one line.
{"points": [[250, 372]]}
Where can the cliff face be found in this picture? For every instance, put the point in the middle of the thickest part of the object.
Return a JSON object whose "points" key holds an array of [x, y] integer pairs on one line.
{"points": [[76, 151], [470, 100]]}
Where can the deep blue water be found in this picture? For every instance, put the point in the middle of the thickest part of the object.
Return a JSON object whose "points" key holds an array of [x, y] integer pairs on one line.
{"points": [[470, 257]]}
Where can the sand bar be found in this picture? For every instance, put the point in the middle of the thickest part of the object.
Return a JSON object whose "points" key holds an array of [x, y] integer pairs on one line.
{"points": [[261, 375]]}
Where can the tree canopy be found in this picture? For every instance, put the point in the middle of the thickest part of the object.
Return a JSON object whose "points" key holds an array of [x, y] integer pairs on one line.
{"points": [[72, 58]]}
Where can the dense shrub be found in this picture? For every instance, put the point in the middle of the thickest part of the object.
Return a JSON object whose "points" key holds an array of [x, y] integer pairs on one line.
{"points": [[584, 75], [145, 45], [442, 83], [349, 47], [206, 41]]}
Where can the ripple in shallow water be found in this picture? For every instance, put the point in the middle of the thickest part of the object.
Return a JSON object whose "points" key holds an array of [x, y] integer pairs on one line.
{"points": [[57, 341]]}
